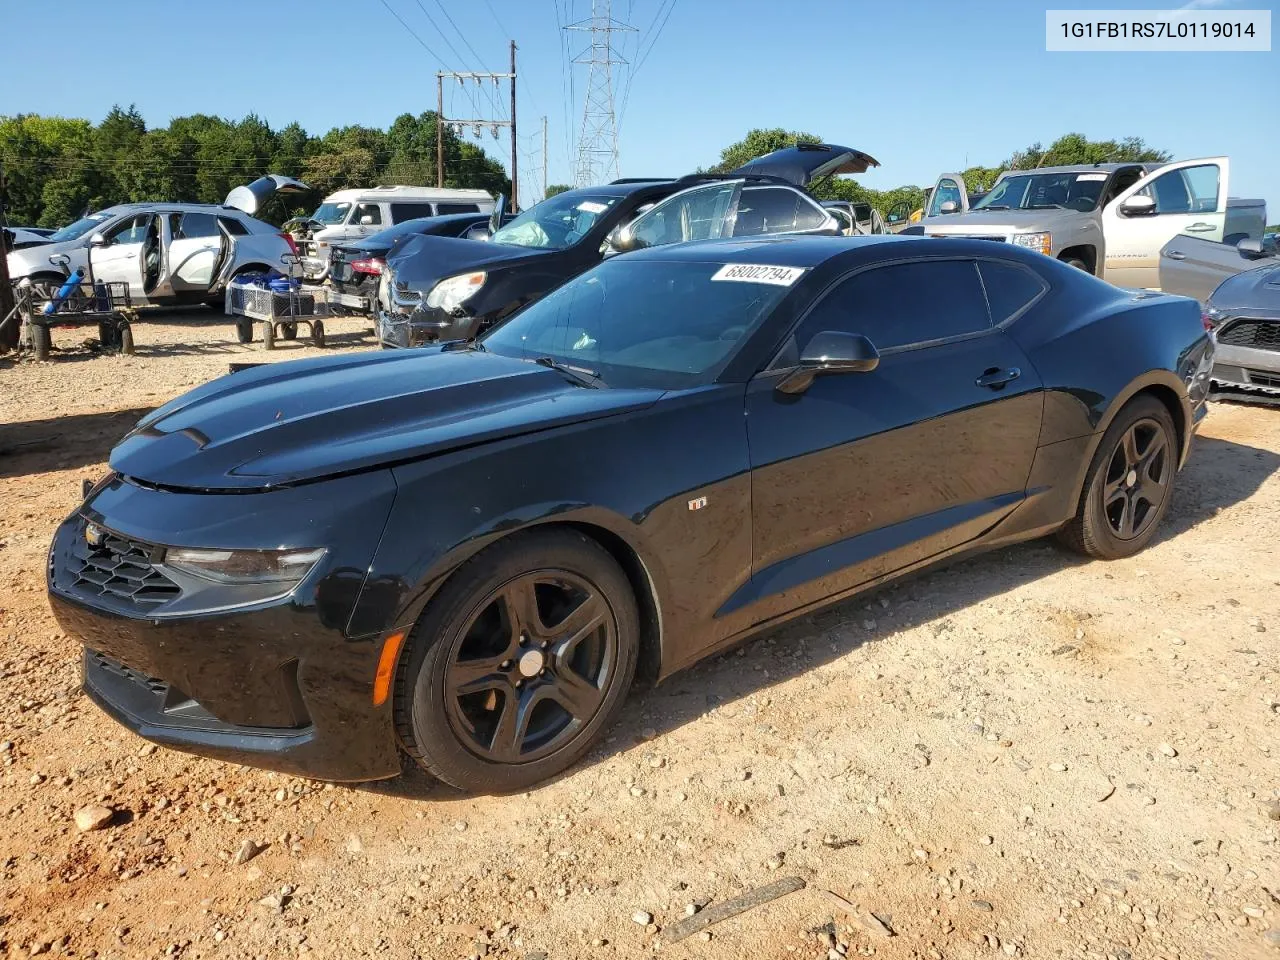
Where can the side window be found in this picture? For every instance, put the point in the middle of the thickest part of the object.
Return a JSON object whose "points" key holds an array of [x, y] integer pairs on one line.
{"points": [[369, 210], [132, 230], [1188, 190], [234, 226], [903, 304], [697, 214], [772, 210], [400, 212], [195, 225], [444, 208], [947, 190], [1009, 288]]}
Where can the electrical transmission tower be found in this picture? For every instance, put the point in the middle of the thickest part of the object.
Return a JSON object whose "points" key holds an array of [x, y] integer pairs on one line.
{"points": [[598, 142]]}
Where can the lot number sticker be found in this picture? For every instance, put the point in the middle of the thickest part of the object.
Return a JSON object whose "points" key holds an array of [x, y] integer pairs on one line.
{"points": [[759, 273]]}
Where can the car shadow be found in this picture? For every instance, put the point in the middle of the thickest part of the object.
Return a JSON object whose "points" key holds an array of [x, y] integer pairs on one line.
{"points": [[1218, 474], [63, 443]]}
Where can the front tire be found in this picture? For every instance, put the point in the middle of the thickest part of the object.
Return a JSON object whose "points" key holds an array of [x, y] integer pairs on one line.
{"points": [[519, 664], [1129, 484]]}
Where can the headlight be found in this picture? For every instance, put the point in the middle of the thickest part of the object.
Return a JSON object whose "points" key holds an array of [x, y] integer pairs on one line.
{"points": [[214, 580], [1043, 242], [243, 566], [449, 294]]}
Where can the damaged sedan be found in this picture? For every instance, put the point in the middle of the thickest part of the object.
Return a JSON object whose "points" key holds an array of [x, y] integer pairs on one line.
{"points": [[438, 289], [465, 554]]}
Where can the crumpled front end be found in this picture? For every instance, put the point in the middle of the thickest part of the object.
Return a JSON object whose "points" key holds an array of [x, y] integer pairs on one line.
{"points": [[405, 320]]}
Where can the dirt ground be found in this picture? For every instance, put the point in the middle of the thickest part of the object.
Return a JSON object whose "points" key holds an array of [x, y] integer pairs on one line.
{"points": [[1020, 755]]}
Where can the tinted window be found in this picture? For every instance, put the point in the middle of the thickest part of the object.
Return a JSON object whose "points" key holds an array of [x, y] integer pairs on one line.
{"points": [[400, 212], [1009, 288], [193, 225], [903, 304], [775, 210], [444, 208], [369, 210], [641, 322], [234, 226]]}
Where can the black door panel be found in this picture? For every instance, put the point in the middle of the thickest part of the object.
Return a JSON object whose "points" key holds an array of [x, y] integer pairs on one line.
{"points": [[866, 472]]}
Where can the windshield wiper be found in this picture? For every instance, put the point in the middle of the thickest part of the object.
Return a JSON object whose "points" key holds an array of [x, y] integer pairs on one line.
{"points": [[579, 375], [1047, 206]]}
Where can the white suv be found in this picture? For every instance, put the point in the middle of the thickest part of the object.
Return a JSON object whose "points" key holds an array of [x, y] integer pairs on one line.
{"points": [[168, 253]]}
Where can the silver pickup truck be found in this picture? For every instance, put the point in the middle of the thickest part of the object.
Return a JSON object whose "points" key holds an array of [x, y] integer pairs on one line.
{"points": [[1111, 219]]}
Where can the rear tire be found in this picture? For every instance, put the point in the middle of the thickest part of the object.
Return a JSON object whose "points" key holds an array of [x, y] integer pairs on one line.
{"points": [[1077, 263], [1129, 485], [289, 331], [558, 687], [317, 333], [244, 331]]}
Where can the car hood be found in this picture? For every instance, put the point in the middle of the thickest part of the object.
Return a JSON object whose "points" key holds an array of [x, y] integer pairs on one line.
{"points": [[1258, 288], [294, 422], [421, 262], [998, 221]]}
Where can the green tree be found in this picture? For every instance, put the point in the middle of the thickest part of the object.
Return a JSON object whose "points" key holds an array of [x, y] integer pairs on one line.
{"points": [[1075, 148], [555, 188], [756, 144]]}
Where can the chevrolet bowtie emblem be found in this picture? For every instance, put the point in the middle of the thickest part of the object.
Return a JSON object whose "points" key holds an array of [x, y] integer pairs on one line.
{"points": [[94, 535]]}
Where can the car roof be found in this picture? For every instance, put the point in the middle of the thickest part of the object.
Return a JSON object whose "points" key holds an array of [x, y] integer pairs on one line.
{"points": [[214, 208], [780, 250], [619, 189], [1081, 168]]}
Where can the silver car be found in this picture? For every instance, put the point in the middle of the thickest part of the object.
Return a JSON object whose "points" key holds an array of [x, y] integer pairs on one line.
{"points": [[1244, 314], [168, 253]]}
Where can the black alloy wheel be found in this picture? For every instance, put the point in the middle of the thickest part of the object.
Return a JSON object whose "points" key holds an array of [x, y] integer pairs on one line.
{"points": [[1137, 479], [520, 661], [1129, 485], [532, 666]]}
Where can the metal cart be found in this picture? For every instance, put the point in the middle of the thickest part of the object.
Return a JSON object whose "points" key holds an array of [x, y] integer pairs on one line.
{"points": [[279, 312], [43, 306]]}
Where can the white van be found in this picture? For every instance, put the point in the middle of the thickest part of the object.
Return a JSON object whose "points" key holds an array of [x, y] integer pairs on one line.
{"points": [[357, 213]]}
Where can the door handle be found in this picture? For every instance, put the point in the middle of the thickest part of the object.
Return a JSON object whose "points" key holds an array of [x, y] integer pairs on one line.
{"points": [[1175, 255], [995, 379], [1200, 228]]}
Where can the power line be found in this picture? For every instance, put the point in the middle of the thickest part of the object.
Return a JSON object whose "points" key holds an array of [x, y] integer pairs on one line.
{"points": [[461, 59], [415, 36], [642, 57]]}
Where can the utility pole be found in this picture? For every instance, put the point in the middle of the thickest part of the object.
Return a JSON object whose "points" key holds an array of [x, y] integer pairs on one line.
{"points": [[515, 189], [598, 142], [8, 324], [477, 122], [440, 130], [544, 156]]}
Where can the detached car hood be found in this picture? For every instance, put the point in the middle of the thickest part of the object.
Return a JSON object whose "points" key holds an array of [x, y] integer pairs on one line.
{"points": [[294, 422], [1257, 289], [421, 262], [999, 221]]}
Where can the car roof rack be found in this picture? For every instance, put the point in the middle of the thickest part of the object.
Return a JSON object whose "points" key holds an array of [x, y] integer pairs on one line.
{"points": [[693, 178], [641, 180]]}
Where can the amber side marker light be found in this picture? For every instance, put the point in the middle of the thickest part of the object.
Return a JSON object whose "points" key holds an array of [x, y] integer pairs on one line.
{"points": [[386, 668]]}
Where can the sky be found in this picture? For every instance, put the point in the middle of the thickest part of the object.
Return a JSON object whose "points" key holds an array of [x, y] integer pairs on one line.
{"points": [[925, 86]]}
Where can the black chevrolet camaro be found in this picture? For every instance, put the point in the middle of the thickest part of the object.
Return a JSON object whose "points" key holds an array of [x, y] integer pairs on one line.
{"points": [[466, 553]]}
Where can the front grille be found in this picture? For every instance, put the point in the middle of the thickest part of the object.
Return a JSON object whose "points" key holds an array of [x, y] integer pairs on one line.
{"points": [[122, 569], [984, 236], [1260, 334], [1260, 379]]}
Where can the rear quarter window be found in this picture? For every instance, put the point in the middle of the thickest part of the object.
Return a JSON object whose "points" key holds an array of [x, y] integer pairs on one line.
{"points": [[1010, 288], [234, 226]]}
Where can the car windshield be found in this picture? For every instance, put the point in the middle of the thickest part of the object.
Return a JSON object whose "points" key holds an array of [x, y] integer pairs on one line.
{"points": [[331, 213], [556, 223], [73, 231], [646, 323], [1076, 190]]}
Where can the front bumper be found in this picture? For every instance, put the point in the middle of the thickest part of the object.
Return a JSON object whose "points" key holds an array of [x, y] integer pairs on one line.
{"points": [[425, 325], [1247, 368], [279, 685]]}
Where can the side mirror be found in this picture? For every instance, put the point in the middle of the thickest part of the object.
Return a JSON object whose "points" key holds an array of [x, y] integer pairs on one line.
{"points": [[96, 240], [366, 220], [831, 352], [949, 206], [1138, 206], [623, 240], [1251, 249]]}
